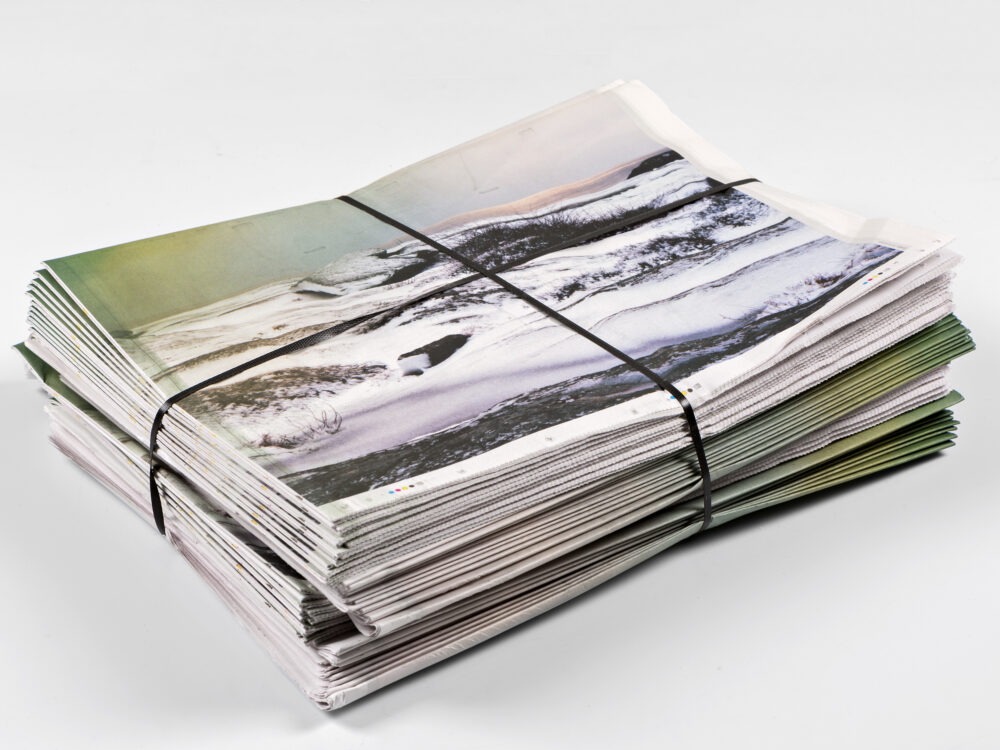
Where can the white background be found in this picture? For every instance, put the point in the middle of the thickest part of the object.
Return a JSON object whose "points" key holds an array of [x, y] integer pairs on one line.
{"points": [[868, 619]]}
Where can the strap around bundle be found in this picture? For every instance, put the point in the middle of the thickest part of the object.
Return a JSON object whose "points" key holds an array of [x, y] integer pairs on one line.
{"points": [[479, 271]]}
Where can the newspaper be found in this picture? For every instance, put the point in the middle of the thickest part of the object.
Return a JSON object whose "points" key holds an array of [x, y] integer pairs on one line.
{"points": [[445, 438]]}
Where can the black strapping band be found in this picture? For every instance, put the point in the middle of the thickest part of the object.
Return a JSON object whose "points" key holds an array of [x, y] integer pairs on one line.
{"points": [[480, 271]]}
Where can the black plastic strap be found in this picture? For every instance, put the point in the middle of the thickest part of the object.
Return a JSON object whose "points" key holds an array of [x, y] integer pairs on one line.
{"points": [[480, 271]]}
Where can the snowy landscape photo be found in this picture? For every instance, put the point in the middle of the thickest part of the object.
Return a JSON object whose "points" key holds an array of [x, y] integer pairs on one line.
{"points": [[473, 367]]}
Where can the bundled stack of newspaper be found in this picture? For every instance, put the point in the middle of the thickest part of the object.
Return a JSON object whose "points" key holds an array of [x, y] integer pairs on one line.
{"points": [[387, 427]]}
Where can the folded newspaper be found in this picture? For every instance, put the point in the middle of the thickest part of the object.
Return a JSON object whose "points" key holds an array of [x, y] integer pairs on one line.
{"points": [[388, 426]]}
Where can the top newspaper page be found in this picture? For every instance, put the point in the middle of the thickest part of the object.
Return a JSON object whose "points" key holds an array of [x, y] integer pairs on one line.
{"points": [[471, 378]]}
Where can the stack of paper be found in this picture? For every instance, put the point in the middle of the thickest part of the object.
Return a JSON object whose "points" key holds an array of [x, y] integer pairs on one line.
{"points": [[460, 415]]}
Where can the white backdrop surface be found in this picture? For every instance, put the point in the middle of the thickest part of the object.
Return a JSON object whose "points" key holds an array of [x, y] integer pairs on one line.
{"points": [[866, 619]]}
